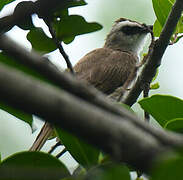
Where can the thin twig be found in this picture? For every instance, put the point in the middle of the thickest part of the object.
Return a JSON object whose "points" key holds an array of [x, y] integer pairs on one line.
{"points": [[44, 134], [61, 153], [69, 66], [146, 94], [54, 147], [59, 45]]}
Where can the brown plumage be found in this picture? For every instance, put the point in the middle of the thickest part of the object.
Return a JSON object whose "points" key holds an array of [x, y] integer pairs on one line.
{"points": [[105, 68]]}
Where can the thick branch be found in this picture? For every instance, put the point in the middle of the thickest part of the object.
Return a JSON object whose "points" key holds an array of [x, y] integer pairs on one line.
{"points": [[154, 60], [111, 133], [71, 84]]}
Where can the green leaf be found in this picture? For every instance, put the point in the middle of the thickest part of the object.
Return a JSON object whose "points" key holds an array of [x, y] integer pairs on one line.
{"points": [[4, 59], [168, 169], [76, 3], [30, 161], [26, 21], [154, 86], [124, 106], [109, 171], [179, 28], [178, 38], [69, 27], [40, 41], [157, 28], [162, 9], [61, 13], [83, 153], [156, 75], [163, 108], [175, 125], [5, 2], [172, 2], [17, 113]]}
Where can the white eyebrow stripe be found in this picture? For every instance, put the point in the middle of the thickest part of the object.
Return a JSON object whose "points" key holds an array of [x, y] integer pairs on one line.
{"points": [[121, 24]]}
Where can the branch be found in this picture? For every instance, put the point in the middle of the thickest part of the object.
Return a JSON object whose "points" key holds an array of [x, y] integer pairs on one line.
{"points": [[154, 60], [69, 83], [111, 133], [59, 45]]}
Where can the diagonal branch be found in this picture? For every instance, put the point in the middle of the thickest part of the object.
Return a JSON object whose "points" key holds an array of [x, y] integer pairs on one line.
{"points": [[155, 57], [59, 45], [69, 83], [113, 134]]}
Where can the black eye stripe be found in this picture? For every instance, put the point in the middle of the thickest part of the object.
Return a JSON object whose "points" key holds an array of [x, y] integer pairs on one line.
{"points": [[131, 30]]}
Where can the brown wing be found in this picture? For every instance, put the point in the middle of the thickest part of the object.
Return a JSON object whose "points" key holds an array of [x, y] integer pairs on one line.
{"points": [[106, 69]]}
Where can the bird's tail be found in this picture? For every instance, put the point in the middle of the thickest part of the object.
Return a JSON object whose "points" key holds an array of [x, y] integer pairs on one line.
{"points": [[42, 137]]}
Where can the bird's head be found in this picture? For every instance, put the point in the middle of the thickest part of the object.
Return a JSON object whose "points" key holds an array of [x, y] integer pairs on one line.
{"points": [[127, 35]]}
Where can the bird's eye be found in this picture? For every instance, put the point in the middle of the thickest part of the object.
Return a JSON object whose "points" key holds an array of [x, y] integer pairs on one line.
{"points": [[131, 30]]}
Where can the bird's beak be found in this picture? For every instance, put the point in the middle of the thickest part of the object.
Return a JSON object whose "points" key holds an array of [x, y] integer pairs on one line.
{"points": [[150, 27], [147, 28]]}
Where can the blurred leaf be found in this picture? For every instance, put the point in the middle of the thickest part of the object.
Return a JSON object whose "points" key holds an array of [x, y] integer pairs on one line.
{"points": [[156, 75], [79, 172], [162, 9], [40, 41], [76, 3], [69, 27], [26, 21], [4, 2], [175, 125], [154, 86], [14, 64], [172, 2], [125, 106], [31, 160], [61, 13], [17, 113], [83, 153], [178, 38], [179, 28], [31, 72], [163, 108], [157, 28], [168, 169], [109, 171]]}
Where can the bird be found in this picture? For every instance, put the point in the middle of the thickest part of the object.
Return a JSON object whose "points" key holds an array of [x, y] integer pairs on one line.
{"points": [[109, 67]]}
